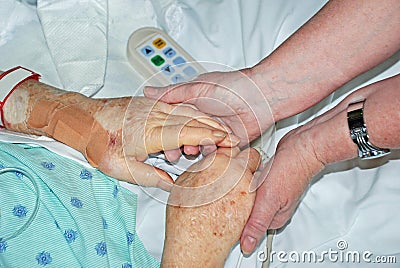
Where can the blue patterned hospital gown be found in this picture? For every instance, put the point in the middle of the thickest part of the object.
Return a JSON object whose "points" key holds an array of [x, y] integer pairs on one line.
{"points": [[84, 218]]}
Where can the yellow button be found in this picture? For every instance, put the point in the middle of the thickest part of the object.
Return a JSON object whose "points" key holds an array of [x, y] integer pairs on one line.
{"points": [[159, 43]]}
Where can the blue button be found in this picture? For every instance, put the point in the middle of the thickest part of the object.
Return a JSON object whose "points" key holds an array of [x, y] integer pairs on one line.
{"points": [[190, 71], [168, 69], [179, 61], [177, 79], [147, 51], [169, 52]]}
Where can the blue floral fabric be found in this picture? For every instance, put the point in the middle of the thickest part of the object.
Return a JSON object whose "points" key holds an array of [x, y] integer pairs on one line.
{"points": [[83, 218]]}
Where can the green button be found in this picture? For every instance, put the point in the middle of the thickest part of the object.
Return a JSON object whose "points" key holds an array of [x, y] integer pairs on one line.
{"points": [[157, 60]]}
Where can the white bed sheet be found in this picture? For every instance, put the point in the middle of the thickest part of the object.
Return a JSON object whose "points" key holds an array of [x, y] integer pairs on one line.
{"points": [[351, 201]]}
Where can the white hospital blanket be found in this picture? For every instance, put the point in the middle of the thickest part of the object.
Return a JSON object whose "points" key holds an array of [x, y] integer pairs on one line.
{"points": [[356, 204]]}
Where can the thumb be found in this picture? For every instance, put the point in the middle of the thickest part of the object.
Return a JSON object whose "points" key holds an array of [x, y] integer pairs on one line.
{"points": [[171, 94], [146, 175], [251, 158], [259, 221]]}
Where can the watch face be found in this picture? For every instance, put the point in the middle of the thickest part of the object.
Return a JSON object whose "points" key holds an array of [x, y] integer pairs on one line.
{"points": [[359, 134], [355, 119]]}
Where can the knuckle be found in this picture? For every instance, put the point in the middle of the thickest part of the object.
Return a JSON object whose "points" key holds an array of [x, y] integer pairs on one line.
{"points": [[258, 225], [184, 132]]}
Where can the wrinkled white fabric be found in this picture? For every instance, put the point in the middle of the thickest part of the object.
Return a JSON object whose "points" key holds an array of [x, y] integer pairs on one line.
{"points": [[76, 35], [352, 201]]}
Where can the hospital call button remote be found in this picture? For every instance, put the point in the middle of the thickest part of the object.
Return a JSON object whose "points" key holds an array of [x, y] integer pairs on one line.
{"points": [[156, 55]]}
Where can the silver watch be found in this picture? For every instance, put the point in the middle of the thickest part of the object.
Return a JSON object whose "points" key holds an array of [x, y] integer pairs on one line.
{"points": [[359, 134]]}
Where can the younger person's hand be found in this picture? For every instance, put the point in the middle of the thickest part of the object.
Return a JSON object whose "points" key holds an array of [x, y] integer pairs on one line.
{"points": [[230, 96]]}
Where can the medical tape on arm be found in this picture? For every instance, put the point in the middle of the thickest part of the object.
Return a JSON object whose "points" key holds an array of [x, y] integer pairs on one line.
{"points": [[71, 125], [9, 81]]}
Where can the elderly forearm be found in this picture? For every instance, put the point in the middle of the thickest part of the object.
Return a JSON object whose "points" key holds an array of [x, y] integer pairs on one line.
{"points": [[207, 209], [69, 117], [343, 40], [35, 97]]}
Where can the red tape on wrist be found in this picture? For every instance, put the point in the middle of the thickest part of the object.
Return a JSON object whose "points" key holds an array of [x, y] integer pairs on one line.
{"points": [[12, 84]]}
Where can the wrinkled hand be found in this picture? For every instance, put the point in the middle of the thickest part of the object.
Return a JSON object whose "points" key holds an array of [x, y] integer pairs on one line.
{"points": [[230, 96], [207, 209], [140, 126]]}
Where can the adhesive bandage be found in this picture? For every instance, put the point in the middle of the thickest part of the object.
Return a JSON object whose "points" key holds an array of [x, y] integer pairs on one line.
{"points": [[71, 125]]}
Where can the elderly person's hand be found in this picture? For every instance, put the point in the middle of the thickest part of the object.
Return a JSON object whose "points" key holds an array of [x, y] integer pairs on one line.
{"points": [[115, 135], [207, 209], [143, 126]]}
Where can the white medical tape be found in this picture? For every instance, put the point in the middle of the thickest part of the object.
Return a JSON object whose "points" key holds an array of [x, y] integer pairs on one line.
{"points": [[9, 81]]}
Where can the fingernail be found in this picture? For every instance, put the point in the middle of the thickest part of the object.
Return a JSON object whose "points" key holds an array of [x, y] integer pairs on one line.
{"points": [[249, 245], [218, 133]]}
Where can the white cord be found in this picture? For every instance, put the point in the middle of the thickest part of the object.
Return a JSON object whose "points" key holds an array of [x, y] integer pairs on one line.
{"points": [[239, 262], [36, 207], [268, 248]]}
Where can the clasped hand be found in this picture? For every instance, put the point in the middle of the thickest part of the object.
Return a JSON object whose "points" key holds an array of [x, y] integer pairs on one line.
{"points": [[140, 126]]}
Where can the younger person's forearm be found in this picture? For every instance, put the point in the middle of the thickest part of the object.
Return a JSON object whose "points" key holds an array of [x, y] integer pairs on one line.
{"points": [[343, 40], [330, 136]]}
